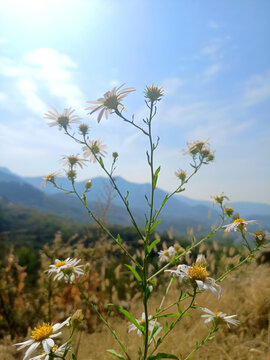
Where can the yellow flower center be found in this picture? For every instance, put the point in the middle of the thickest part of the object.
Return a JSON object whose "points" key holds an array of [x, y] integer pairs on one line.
{"points": [[42, 332], [240, 221], [60, 263], [216, 313], [197, 272]]}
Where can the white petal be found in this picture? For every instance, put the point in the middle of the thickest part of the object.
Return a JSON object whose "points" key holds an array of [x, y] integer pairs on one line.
{"points": [[31, 349]]}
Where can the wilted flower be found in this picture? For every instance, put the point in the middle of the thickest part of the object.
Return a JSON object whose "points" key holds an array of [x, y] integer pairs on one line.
{"points": [[196, 275], [219, 317], [110, 102], [73, 161], [220, 198], [55, 353], [261, 237], [195, 147], [76, 319], [62, 120], [167, 254], [95, 147], [153, 93], [228, 210], [43, 335], [141, 322], [67, 269], [83, 128], [71, 175], [239, 224], [181, 174]]}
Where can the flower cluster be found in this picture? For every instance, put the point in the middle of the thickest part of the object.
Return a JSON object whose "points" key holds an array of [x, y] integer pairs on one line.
{"points": [[200, 147], [219, 317]]}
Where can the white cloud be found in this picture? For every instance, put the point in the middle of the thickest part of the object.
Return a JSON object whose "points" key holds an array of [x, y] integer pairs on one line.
{"points": [[257, 89], [40, 71], [171, 85], [211, 71], [213, 25]]}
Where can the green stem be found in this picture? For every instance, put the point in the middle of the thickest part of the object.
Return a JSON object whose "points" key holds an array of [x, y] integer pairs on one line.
{"points": [[130, 122], [203, 341], [105, 322]]}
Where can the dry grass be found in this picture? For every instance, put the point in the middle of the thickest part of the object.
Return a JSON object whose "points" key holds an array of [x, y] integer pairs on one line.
{"points": [[246, 293]]}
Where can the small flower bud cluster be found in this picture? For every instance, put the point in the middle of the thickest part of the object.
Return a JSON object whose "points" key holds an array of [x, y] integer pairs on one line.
{"points": [[200, 147], [71, 175], [83, 129]]}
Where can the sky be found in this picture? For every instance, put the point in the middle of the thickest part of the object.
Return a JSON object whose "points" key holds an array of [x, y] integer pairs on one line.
{"points": [[212, 58]]}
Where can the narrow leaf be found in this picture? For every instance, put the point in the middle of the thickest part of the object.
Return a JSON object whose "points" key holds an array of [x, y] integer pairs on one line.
{"points": [[134, 272], [154, 225], [131, 318], [150, 247], [114, 353], [162, 356], [156, 177]]}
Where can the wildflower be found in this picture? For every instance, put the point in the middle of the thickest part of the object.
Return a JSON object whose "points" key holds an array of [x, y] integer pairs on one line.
{"points": [[168, 254], [73, 160], [220, 198], [219, 317], [181, 174], [88, 184], [83, 128], [153, 93], [228, 210], [67, 269], [62, 120], [49, 179], [110, 102], [141, 322], [43, 335], [195, 147], [196, 275], [261, 237], [239, 224], [55, 353], [178, 248], [94, 149]]}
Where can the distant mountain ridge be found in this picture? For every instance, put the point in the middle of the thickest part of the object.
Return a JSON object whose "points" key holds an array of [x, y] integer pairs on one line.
{"points": [[180, 212]]}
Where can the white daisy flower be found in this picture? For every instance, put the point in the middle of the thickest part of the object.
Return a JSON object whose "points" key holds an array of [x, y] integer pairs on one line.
{"points": [[141, 322], [62, 120], [73, 160], [196, 274], [166, 255], [219, 317], [66, 269], [238, 225], [97, 147], [59, 351], [43, 335], [110, 102], [50, 178]]}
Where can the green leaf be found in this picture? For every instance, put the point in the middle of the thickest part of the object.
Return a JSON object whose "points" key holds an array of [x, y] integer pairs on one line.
{"points": [[150, 247], [168, 315], [74, 357], [131, 318], [154, 225], [101, 162], [119, 241], [156, 177], [165, 200], [157, 330], [134, 272], [162, 356], [114, 353], [166, 327]]}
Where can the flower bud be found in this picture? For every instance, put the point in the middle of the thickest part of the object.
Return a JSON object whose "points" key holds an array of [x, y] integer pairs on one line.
{"points": [[236, 216], [201, 260], [260, 237], [71, 175], [228, 210], [153, 93], [76, 319], [115, 155], [88, 184]]}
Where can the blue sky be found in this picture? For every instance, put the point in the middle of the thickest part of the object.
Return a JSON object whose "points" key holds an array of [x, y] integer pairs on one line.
{"points": [[211, 57]]}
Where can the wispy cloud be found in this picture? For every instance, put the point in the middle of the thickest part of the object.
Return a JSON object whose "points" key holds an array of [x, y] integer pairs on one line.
{"points": [[213, 25], [257, 89], [211, 71]]}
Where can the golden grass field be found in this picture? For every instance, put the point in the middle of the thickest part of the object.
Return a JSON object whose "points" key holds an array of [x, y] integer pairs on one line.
{"points": [[245, 293]]}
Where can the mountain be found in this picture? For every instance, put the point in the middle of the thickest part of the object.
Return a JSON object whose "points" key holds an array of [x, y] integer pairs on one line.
{"points": [[180, 212]]}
